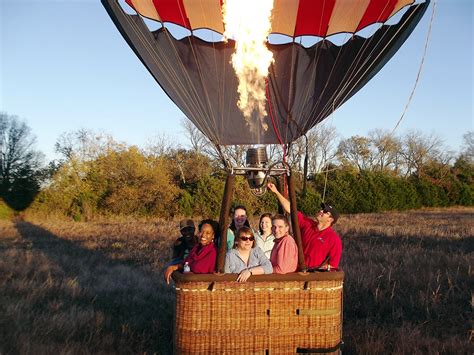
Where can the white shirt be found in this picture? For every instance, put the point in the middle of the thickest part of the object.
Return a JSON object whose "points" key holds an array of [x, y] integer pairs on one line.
{"points": [[266, 245]]}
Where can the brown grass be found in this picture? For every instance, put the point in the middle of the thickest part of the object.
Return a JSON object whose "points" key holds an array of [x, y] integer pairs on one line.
{"points": [[68, 287], [408, 281]]}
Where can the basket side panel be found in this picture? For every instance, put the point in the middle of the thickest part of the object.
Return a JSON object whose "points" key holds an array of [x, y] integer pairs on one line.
{"points": [[277, 317]]}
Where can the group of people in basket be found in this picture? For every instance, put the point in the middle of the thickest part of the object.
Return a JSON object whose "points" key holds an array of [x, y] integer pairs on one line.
{"points": [[269, 250]]}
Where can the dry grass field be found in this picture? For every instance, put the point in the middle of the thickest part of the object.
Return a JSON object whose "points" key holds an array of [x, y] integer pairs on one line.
{"points": [[80, 288]]}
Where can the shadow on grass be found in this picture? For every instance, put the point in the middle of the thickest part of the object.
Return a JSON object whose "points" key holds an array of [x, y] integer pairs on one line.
{"points": [[396, 288], [87, 298]]}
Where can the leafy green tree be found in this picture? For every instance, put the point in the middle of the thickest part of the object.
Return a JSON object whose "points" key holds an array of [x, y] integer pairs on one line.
{"points": [[310, 203], [207, 196], [116, 179], [185, 202], [466, 195], [21, 171], [187, 167], [341, 189], [69, 192], [134, 184], [463, 169], [409, 196]]}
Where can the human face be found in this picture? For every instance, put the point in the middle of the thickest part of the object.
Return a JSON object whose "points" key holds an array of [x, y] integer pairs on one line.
{"points": [[206, 235], [187, 232], [266, 224], [324, 217], [280, 228], [247, 242], [240, 216]]}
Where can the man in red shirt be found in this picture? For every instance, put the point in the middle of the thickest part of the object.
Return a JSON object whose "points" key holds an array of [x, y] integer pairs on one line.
{"points": [[322, 247]]}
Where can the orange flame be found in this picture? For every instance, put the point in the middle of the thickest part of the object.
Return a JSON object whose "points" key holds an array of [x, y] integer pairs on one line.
{"points": [[248, 23]]}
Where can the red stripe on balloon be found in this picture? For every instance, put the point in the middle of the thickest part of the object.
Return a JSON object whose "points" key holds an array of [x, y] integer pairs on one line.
{"points": [[313, 17], [130, 3], [172, 11], [377, 11]]}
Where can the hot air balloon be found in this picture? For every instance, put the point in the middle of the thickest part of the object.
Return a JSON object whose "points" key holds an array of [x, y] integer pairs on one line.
{"points": [[312, 73], [305, 84]]}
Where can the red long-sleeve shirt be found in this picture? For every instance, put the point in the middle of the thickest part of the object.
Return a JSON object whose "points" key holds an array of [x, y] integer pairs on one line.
{"points": [[318, 245], [284, 255], [202, 260]]}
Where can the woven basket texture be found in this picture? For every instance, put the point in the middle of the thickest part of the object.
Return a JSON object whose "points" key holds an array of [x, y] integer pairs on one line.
{"points": [[270, 317]]}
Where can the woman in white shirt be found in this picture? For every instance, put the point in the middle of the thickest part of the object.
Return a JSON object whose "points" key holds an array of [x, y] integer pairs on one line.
{"points": [[265, 239]]}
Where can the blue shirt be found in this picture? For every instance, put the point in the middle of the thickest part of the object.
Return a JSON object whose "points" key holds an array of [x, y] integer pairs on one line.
{"points": [[234, 264]]}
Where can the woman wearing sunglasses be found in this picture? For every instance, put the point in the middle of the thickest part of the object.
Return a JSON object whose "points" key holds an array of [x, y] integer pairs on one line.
{"points": [[245, 258]]}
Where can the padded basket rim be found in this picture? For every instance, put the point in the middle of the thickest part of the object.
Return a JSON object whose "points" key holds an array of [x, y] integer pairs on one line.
{"points": [[180, 277]]}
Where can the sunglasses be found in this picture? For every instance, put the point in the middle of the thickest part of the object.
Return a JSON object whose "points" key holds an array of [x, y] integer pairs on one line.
{"points": [[247, 238]]}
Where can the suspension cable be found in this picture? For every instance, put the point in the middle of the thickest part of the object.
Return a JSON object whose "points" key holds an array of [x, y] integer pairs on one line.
{"points": [[420, 69]]}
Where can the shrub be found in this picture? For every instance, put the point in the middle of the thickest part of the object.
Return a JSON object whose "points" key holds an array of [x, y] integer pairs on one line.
{"points": [[208, 196], [5, 211], [310, 203], [185, 203]]}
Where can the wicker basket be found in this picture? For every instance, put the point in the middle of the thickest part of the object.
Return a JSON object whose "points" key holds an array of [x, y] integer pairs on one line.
{"points": [[269, 314]]}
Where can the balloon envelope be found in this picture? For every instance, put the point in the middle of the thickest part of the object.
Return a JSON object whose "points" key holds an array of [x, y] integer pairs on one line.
{"points": [[305, 84]]}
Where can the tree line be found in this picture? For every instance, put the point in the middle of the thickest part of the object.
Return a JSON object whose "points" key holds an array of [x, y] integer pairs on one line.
{"points": [[97, 175]]}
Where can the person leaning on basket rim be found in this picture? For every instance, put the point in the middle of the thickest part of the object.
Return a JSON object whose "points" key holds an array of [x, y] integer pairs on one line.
{"points": [[202, 257], [284, 255], [322, 247], [183, 244], [246, 259]]}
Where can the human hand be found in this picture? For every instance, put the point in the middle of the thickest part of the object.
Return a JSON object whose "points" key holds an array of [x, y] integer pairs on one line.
{"points": [[271, 186], [244, 275], [169, 270]]}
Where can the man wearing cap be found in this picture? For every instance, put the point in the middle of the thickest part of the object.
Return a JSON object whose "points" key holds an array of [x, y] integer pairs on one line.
{"points": [[322, 247], [186, 242]]}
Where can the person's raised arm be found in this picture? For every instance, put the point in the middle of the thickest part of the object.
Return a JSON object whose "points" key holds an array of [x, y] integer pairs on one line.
{"points": [[283, 201]]}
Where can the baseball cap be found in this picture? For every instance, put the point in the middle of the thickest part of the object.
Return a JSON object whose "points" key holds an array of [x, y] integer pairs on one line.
{"points": [[186, 223], [328, 208]]}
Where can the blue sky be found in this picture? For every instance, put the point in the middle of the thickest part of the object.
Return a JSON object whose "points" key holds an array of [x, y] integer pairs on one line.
{"points": [[64, 66]]}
